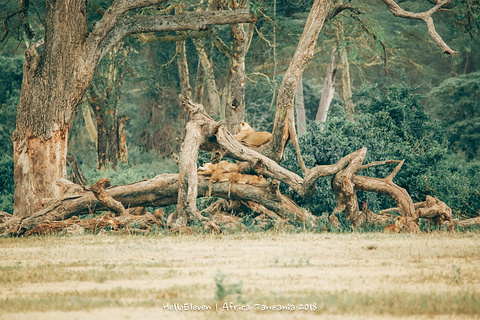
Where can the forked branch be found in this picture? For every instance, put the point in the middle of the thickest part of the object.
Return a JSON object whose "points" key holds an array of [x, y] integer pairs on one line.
{"points": [[425, 17]]}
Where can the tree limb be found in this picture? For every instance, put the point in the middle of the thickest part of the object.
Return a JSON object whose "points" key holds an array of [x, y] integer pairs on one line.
{"points": [[98, 190], [110, 18], [286, 93], [337, 9], [183, 21], [425, 17], [159, 191]]}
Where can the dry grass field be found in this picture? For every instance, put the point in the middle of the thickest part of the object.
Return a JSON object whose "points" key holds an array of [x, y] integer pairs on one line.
{"points": [[334, 276]]}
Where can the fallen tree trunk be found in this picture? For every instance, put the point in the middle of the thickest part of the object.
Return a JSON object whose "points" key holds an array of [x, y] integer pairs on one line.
{"points": [[156, 192], [464, 223]]}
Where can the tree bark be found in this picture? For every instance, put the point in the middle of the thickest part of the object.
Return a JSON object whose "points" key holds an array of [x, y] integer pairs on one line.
{"points": [[183, 73], [199, 85], [425, 17], [235, 104], [346, 182], [188, 179], [47, 103], [346, 84], [76, 174], [286, 94], [121, 123]]}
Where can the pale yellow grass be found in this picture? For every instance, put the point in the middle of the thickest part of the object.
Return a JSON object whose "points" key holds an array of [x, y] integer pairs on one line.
{"points": [[359, 276]]}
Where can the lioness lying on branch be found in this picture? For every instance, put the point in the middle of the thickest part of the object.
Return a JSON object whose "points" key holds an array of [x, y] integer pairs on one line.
{"points": [[251, 138], [225, 171]]}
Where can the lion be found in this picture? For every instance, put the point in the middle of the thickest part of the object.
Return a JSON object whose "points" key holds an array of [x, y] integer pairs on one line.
{"points": [[208, 168], [395, 228], [234, 177], [251, 138]]}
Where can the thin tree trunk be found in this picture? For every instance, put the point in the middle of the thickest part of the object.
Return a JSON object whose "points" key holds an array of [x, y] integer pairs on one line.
{"points": [[235, 105], [346, 80], [183, 73], [76, 173], [328, 90], [121, 123], [108, 145], [300, 108], [213, 99], [89, 123], [285, 115]]}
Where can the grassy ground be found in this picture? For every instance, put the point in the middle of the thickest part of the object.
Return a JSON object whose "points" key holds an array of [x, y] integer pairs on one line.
{"points": [[335, 276]]}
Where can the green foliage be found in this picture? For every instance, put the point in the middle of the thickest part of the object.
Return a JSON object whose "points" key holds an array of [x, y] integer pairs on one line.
{"points": [[391, 125], [141, 166], [10, 84], [6, 183], [457, 183], [455, 103]]}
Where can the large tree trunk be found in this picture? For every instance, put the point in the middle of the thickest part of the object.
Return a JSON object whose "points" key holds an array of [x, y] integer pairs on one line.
{"points": [[53, 85]]}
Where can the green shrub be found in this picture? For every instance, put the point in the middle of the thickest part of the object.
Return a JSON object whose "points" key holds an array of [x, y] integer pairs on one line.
{"points": [[391, 125], [7, 183], [455, 103], [141, 166]]}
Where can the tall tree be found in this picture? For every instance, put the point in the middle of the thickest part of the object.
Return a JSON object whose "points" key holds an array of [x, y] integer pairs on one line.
{"points": [[104, 96], [56, 78]]}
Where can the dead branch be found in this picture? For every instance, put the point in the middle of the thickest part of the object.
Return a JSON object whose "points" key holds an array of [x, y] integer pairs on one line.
{"points": [[269, 168], [398, 194], [127, 223], [98, 190], [188, 182], [156, 192], [425, 17], [465, 223], [376, 163], [344, 189], [433, 208]]}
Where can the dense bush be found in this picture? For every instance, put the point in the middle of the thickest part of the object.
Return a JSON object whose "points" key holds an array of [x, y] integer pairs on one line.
{"points": [[455, 103], [10, 83], [391, 125]]}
